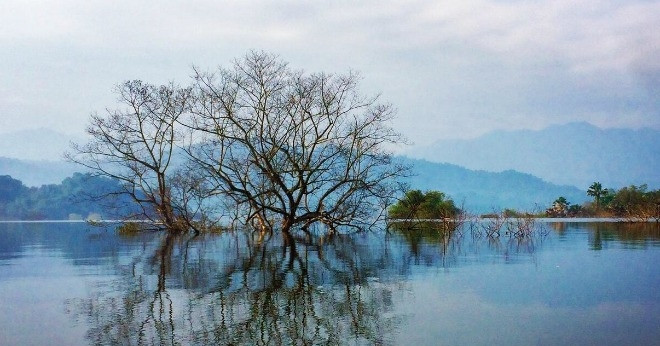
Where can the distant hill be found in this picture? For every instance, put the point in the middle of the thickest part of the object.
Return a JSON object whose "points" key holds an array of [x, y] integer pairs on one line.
{"points": [[37, 173], [573, 154], [74, 198], [36, 144], [482, 191]]}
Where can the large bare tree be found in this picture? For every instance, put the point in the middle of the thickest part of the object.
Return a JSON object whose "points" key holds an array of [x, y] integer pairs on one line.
{"points": [[290, 148], [136, 144]]}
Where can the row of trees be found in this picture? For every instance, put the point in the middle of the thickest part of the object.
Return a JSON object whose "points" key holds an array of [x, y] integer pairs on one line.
{"points": [[633, 202], [257, 143]]}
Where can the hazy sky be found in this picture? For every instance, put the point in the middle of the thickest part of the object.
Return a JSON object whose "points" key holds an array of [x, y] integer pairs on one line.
{"points": [[452, 68]]}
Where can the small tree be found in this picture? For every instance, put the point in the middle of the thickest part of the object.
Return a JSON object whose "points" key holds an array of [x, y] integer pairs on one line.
{"points": [[559, 207], [597, 192], [289, 148], [409, 206], [418, 205]]}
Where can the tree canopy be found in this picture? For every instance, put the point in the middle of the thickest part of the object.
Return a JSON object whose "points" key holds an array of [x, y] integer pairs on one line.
{"points": [[416, 204], [273, 146], [631, 202], [597, 192]]}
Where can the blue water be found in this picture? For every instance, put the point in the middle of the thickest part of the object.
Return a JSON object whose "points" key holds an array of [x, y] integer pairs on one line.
{"points": [[574, 283]]}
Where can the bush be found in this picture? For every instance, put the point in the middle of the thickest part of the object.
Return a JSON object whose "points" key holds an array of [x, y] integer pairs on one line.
{"points": [[418, 205]]}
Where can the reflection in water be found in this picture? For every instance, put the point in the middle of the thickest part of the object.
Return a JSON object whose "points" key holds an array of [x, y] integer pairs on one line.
{"points": [[236, 289], [631, 235], [438, 247], [371, 288], [232, 289], [625, 234]]}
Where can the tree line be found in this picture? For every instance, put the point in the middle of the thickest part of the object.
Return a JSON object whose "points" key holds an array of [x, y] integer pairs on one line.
{"points": [[631, 202]]}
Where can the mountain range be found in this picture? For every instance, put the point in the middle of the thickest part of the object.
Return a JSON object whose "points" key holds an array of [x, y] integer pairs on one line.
{"points": [[571, 154], [521, 169], [481, 192], [37, 172], [476, 191]]}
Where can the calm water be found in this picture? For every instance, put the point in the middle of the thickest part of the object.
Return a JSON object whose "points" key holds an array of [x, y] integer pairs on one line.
{"points": [[582, 283]]}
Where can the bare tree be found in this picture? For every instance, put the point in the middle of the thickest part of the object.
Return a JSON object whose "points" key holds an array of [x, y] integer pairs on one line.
{"points": [[290, 148], [136, 145]]}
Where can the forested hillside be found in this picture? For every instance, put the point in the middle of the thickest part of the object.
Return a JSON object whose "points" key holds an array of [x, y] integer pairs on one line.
{"points": [[76, 197]]}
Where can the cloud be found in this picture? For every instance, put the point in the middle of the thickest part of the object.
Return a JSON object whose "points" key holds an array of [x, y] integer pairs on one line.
{"points": [[459, 67], [590, 35]]}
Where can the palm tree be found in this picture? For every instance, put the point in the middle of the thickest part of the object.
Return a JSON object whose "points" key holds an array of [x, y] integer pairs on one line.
{"points": [[596, 190]]}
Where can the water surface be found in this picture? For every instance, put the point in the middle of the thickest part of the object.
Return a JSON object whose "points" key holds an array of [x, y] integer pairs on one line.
{"points": [[577, 283]]}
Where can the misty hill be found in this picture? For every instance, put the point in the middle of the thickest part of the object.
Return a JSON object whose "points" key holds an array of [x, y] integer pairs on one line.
{"points": [[572, 154], [37, 173], [75, 197], [36, 144], [482, 191]]}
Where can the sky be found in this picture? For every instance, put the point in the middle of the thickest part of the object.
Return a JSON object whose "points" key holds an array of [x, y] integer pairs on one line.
{"points": [[452, 69]]}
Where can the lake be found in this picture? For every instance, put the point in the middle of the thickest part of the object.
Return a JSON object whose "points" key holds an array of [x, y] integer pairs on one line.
{"points": [[568, 283]]}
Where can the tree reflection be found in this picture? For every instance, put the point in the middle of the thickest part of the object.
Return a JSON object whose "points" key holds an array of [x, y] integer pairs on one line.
{"points": [[242, 288], [433, 245], [628, 235], [239, 289]]}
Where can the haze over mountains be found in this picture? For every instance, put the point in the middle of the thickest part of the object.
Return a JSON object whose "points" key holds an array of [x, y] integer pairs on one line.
{"points": [[36, 156], [572, 154], [36, 145], [36, 173], [505, 169], [482, 192]]}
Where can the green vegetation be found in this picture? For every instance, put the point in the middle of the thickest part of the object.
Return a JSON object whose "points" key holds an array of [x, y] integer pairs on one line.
{"points": [[596, 190], [632, 203], [560, 208], [480, 191], [418, 205]]}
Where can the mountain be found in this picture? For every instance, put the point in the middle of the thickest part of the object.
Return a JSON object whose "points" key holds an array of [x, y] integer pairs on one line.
{"points": [[480, 191], [36, 156], [76, 197], [572, 154], [37, 173], [36, 144]]}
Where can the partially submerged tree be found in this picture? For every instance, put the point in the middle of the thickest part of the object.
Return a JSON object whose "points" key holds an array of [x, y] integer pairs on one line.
{"points": [[425, 211], [135, 144], [280, 147], [418, 205], [289, 148]]}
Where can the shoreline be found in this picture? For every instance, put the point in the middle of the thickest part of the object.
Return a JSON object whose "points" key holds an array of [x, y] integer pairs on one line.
{"points": [[538, 219]]}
